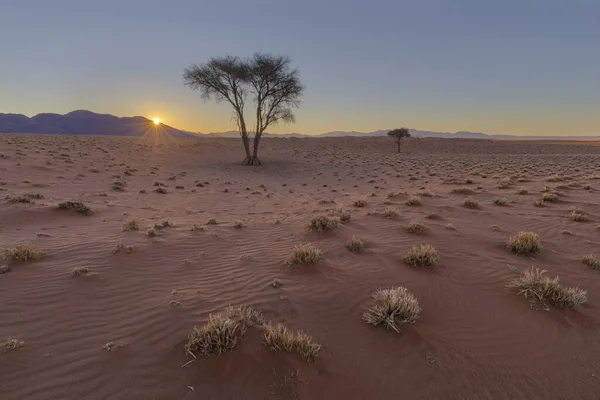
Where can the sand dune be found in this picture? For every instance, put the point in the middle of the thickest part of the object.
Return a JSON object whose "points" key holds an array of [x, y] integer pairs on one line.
{"points": [[119, 331]]}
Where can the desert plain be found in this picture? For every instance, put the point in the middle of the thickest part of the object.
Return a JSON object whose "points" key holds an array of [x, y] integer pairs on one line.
{"points": [[175, 230]]}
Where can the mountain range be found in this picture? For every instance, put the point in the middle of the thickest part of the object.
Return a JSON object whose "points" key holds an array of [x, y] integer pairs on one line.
{"points": [[83, 122]]}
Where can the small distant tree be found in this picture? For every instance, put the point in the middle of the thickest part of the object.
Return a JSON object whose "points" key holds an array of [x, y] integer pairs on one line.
{"points": [[399, 134], [274, 87]]}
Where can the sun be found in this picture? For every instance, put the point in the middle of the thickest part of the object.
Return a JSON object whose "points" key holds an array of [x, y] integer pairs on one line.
{"points": [[156, 121]]}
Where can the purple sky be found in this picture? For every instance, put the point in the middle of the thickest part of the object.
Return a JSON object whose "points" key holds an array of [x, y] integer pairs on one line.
{"points": [[521, 67]]}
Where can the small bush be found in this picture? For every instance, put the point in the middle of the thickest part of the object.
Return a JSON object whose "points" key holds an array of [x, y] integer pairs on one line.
{"points": [[524, 243], [354, 244], [12, 344], [360, 203], [522, 191], [222, 331], [415, 227], [463, 190], [211, 221], [549, 197], [390, 213], [78, 206], [151, 233], [239, 224], [500, 201], [280, 338], [306, 253], [591, 261], [577, 215], [118, 185], [344, 215], [131, 225], [534, 285], [80, 271], [423, 255], [394, 306], [22, 252], [323, 223], [413, 201], [470, 203]]}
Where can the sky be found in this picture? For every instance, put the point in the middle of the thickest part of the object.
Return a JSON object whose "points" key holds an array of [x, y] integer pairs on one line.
{"points": [[522, 67]]}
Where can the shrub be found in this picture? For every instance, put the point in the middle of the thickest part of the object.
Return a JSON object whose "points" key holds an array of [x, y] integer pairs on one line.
{"points": [[22, 252], [306, 253], [549, 197], [280, 338], [322, 223], [222, 331], [394, 306], [524, 243], [534, 285], [577, 215], [415, 227], [354, 244], [131, 225], [591, 261], [360, 203], [413, 200], [470, 203], [78, 206], [423, 255], [118, 185]]}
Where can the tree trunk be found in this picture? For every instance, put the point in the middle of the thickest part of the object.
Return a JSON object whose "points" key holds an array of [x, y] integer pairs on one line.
{"points": [[254, 159], [398, 145]]}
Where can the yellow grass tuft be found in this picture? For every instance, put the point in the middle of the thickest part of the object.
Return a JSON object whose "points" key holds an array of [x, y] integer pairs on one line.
{"points": [[22, 252], [470, 203], [524, 243], [279, 338], [394, 306], [413, 200], [78, 206], [323, 223], [416, 227], [591, 261], [306, 253], [423, 255], [354, 244], [12, 344], [131, 225], [534, 285]]}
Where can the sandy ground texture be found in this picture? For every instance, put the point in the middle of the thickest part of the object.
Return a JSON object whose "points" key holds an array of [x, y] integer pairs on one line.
{"points": [[118, 330]]}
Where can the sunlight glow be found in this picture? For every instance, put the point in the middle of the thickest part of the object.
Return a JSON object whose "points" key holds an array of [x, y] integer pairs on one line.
{"points": [[156, 121]]}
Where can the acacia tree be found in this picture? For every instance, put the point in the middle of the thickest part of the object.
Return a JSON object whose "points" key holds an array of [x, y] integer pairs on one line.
{"points": [[274, 87], [399, 134]]}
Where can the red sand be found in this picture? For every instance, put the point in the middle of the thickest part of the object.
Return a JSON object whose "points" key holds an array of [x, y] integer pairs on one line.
{"points": [[474, 340]]}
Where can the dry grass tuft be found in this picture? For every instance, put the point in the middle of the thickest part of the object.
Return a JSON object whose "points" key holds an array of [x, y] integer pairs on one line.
{"points": [[500, 201], [238, 224], [211, 221], [118, 185], [163, 225], [131, 225], [78, 206], [524, 243], [80, 271], [416, 227], [462, 190], [534, 285], [413, 200], [394, 306], [390, 213], [360, 203], [151, 233], [323, 223], [22, 252], [423, 255], [161, 190], [522, 191], [470, 203], [591, 261], [279, 338], [549, 197], [434, 215], [12, 344], [354, 244], [577, 214], [306, 253], [4, 269], [344, 215], [426, 193], [223, 331]]}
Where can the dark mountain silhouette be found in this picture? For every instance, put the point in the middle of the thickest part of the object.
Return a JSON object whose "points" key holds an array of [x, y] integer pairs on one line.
{"points": [[83, 122]]}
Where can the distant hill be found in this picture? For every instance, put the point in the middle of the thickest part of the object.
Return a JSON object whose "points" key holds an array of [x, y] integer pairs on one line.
{"points": [[83, 122]]}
